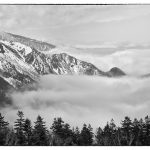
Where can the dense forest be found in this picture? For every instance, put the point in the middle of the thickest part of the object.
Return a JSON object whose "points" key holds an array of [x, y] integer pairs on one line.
{"points": [[129, 133]]}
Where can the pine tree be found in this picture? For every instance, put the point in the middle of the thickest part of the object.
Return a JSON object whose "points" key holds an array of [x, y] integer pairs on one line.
{"points": [[146, 130], [107, 135], [136, 132], [19, 127], [127, 131], [3, 130], [28, 131], [112, 125], [68, 134], [11, 138], [58, 127], [62, 132], [99, 136], [90, 129], [141, 132], [76, 136], [118, 136], [67, 131], [86, 136], [58, 131], [83, 136], [3, 123], [113, 132], [40, 133], [110, 135]]}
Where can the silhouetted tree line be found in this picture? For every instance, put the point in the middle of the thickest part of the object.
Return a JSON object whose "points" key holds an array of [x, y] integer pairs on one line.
{"points": [[130, 133]]}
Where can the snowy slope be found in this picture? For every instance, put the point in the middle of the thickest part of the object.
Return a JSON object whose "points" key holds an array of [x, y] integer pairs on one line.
{"points": [[22, 64], [13, 68]]}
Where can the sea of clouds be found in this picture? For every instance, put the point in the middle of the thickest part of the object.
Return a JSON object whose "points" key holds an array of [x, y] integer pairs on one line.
{"points": [[82, 99]]}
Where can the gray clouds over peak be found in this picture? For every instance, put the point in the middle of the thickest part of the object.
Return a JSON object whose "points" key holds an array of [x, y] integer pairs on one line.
{"points": [[77, 24]]}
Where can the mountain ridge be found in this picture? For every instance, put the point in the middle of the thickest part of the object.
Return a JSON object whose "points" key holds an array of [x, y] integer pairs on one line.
{"points": [[22, 61], [37, 44]]}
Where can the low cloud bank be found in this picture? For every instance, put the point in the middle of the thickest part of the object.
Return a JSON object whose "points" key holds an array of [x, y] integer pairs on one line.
{"points": [[82, 99]]}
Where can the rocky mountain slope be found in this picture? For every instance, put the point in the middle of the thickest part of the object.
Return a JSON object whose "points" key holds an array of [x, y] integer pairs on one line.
{"points": [[22, 61]]}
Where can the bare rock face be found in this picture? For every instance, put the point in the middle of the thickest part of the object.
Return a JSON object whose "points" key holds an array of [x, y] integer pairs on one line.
{"points": [[23, 61]]}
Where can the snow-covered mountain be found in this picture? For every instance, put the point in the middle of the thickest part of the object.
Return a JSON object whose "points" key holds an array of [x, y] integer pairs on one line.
{"points": [[42, 46], [22, 61]]}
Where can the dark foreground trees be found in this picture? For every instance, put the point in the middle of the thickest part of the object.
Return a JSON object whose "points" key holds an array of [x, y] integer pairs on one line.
{"points": [[3, 130], [19, 129], [129, 133], [40, 133]]}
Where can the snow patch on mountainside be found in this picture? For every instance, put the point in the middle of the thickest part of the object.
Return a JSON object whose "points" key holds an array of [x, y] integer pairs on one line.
{"points": [[22, 48]]}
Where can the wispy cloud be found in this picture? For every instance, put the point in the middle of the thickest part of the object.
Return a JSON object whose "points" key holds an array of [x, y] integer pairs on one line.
{"points": [[76, 24], [110, 19], [64, 15]]}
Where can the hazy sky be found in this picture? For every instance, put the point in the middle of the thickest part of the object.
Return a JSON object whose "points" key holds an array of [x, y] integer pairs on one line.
{"points": [[79, 24]]}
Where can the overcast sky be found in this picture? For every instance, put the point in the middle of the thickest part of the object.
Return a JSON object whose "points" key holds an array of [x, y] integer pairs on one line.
{"points": [[79, 24]]}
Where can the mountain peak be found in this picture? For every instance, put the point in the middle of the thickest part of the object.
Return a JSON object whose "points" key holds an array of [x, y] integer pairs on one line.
{"points": [[115, 72]]}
